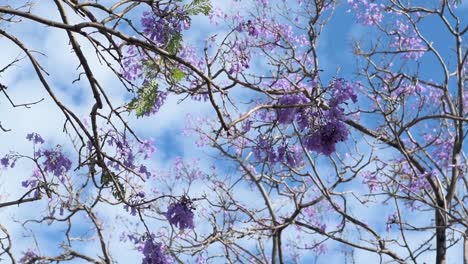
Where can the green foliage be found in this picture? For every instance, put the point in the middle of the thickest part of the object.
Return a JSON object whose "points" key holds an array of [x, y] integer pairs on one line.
{"points": [[177, 75], [199, 7], [106, 180], [174, 43], [196, 7], [152, 68], [148, 94], [145, 100], [115, 191]]}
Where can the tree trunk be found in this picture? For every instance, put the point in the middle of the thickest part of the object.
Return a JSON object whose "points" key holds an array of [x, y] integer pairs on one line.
{"points": [[441, 238]]}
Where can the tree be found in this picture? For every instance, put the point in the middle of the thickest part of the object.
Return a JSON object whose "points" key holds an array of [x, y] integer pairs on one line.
{"points": [[305, 152]]}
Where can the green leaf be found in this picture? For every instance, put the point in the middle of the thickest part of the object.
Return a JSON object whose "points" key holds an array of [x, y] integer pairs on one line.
{"points": [[115, 191], [199, 7], [145, 100], [174, 43], [177, 75]]}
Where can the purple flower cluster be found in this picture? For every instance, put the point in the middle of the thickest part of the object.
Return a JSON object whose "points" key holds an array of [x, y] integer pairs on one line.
{"points": [[312, 215], [133, 210], [189, 54], [408, 88], [10, 160], [5, 162], [367, 12], [35, 138], [370, 178], [320, 249], [264, 150], [200, 259], [264, 3], [292, 156], [250, 27], [443, 147], [28, 257], [342, 91], [32, 182], [147, 148], [324, 128], [158, 103], [154, 253], [55, 161], [420, 182], [130, 152], [135, 199], [288, 114], [410, 181], [239, 57], [408, 42], [216, 15], [132, 64], [256, 32], [162, 24], [180, 214], [391, 220], [324, 138]]}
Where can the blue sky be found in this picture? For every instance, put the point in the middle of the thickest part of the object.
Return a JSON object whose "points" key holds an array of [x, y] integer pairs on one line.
{"points": [[166, 127]]}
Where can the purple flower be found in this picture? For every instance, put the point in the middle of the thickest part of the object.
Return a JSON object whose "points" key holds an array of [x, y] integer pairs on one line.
{"points": [[368, 13], [321, 249], [239, 57], [29, 256], [35, 138], [5, 162], [56, 162], [132, 64], [324, 139], [264, 150], [288, 114], [124, 150], [342, 91], [323, 129], [370, 178], [391, 220], [161, 98], [144, 170], [154, 253], [252, 29], [33, 180], [180, 214], [133, 210], [292, 156], [247, 125], [420, 183], [159, 25], [406, 40]]}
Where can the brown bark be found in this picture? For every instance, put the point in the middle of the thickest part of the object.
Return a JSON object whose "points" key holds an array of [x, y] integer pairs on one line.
{"points": [[441, 237]]}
